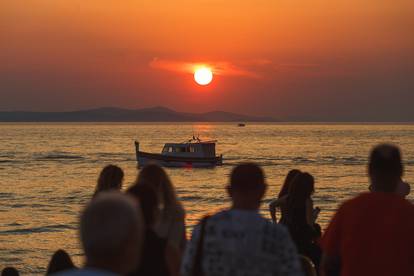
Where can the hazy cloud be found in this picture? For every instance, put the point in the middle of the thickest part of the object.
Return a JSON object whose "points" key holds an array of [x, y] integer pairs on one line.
{"points": [[247, 68]]}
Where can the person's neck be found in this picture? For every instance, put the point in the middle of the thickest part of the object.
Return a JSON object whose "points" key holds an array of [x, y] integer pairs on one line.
{"points": [[382, 191], [376, 187]]}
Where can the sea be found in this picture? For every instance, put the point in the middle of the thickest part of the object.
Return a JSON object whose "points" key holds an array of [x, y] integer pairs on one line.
{"points": [[48, 172]]}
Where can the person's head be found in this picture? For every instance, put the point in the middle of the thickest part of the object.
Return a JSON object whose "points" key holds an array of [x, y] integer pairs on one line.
{"points": [[301, 189], [9, 271], [289, 178], [156, 176], [111, 232], [110, 178], [247, 186], [385, 168], [147, 197], [60, 261]]}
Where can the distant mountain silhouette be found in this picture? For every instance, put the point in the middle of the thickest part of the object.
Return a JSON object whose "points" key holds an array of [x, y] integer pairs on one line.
{"points": [[113, 114]]}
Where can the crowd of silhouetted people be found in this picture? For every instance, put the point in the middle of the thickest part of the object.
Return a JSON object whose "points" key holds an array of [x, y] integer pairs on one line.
{"points": [[142, 231]]}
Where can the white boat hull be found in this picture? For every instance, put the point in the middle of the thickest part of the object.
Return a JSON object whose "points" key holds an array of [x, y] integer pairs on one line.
{"points": [[145, 158]]}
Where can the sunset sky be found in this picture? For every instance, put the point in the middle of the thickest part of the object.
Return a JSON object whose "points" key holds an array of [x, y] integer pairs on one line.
{"points": [[319, 59]]}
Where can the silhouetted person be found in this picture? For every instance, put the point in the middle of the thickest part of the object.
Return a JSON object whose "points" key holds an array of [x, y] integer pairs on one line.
{"points": [[239, 241], [171, 222], [372, 234], [159, 258], [300, 217], [110, 178], [112, 233], [281, 200], [60, 261], [9, 271]]}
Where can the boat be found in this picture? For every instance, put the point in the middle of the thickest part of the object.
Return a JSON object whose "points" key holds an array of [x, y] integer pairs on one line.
{"points": [[241, 125], [193, 153]]}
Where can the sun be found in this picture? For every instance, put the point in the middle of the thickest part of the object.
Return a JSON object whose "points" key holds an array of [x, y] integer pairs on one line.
{"points": [[203, 75]]}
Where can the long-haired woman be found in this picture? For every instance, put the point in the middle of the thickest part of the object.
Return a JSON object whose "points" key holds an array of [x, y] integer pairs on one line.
{"points": [[300, 217], [110, 178], [159, 258], [281, 200], [171, 224]]}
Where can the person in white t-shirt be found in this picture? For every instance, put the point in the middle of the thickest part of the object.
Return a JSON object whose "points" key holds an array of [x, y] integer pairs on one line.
{"points": [[239, 241]]}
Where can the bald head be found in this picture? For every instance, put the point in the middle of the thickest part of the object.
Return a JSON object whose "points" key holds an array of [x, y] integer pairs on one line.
{"points": [[385, 167], [111, 230], [247, 186], [247, 177]]}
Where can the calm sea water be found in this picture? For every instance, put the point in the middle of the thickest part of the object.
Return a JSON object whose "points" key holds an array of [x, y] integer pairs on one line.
{"points": [[48, 172]]}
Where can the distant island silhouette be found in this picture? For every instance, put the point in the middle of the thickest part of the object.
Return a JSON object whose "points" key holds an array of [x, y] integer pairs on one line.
{"points": [[113, 114]]}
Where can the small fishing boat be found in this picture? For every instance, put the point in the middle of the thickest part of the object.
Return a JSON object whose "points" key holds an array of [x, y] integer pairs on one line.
{"points": [[192, 153], [241, 125]]}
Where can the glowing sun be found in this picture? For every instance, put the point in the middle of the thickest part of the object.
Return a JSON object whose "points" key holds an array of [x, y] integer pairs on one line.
{"points": [[203, 75]]}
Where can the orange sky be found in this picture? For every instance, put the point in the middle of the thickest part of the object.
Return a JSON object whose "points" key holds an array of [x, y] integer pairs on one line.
{"points": [[270, 56]]}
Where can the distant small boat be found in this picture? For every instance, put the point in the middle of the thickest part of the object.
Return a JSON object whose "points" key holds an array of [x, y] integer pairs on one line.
{"points": [[241, 125], [192, 153]]}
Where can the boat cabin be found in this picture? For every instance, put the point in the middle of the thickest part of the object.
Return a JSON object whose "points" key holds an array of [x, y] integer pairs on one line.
{"points": [[201, 149]]}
